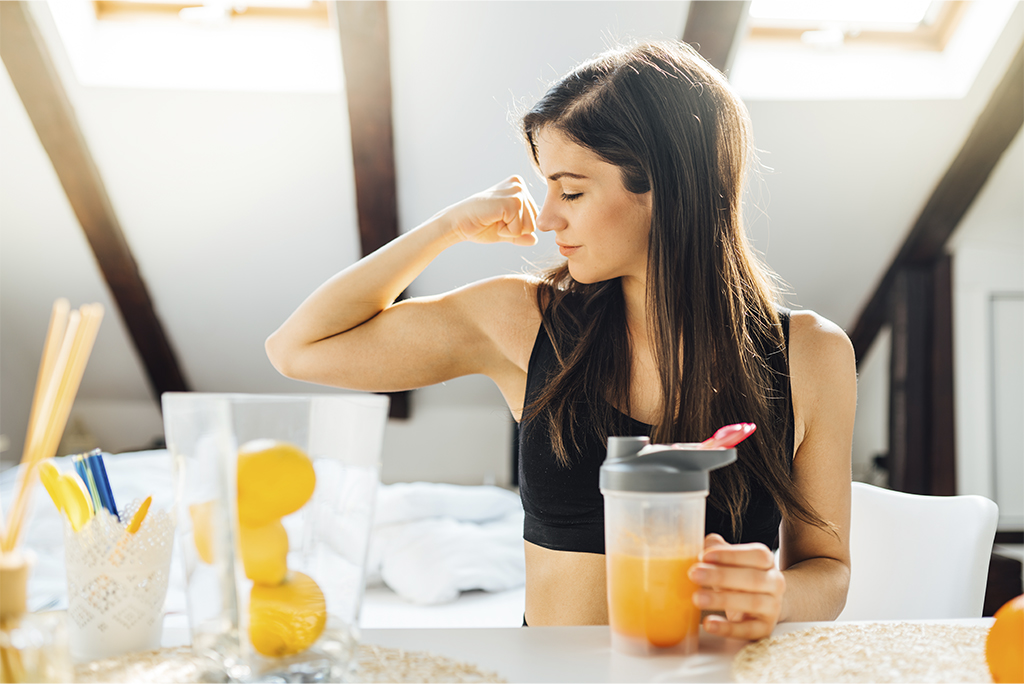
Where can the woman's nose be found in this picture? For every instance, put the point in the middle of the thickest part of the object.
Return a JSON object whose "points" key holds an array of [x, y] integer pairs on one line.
{"points": [[548, 219]]}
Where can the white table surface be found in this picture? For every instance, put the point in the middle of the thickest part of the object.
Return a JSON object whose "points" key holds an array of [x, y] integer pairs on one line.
{"points": [[578, 654], [563, 654]]}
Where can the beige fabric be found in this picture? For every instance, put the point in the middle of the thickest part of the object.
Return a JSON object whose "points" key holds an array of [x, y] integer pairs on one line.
{"points": [[375, 664], [880, 652]]}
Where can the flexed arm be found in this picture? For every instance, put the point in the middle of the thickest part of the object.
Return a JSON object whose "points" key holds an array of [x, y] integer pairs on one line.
{"points": [[350, 333]]}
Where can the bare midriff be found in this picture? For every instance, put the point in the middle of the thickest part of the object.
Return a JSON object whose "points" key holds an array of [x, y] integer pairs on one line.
{"points": [[565, 587]]}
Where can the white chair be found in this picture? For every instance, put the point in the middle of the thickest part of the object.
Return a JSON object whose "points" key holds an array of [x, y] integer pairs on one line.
{"points": [[918, 557]]}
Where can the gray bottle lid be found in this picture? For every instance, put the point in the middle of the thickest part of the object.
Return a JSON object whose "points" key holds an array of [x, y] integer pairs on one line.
{"points": [[633, 464]]}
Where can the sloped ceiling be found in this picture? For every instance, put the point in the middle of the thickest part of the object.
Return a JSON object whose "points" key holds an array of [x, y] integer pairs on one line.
{"points": [[237, 205]]}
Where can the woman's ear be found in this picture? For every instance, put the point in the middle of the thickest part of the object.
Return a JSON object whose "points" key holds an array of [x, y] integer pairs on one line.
{"points": [[645, 204]]}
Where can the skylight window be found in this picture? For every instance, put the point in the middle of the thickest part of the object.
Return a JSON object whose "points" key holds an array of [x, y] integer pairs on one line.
{"points": [[254, 46], [213, 11], [865, 49], [878, 13], [914, 24]]}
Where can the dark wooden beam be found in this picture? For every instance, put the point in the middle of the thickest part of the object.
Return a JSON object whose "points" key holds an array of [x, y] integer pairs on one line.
{"points": [[365, 56], [942, 474], [713, 27], [991, 135], [365, 53], [922, 440], [910, 382], [28, 61]]}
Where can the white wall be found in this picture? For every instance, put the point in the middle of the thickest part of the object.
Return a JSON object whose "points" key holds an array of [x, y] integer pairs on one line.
{"points": [[461, 432], [16, 387], [1006, 315], [871, 429], [988, 258]]}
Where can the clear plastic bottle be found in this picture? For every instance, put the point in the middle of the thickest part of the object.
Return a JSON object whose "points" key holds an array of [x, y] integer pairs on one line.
{"points": [[654, 499]]}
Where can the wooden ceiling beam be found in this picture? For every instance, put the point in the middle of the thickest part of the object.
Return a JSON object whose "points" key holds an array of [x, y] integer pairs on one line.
{"points": [[991, 135], [30, 65], [366, 60], [365, 53], [713, 28]]}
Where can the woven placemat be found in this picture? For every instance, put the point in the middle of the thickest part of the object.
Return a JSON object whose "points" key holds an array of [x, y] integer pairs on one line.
{"points": [[887, 652], [374, 664], [382, 664], [177, 664]]}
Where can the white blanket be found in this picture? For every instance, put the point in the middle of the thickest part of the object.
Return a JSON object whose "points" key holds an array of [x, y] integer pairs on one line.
{"points": [[433, 541]]}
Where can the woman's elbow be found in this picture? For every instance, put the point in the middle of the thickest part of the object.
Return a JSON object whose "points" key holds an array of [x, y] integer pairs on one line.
{"points": [[282, 356], [842, 588]]}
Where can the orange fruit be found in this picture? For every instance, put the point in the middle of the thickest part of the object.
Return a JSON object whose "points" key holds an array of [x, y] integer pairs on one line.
{"points": [[274, 480], [1004, 646], [286, 619], [265, 552], [202, 529]]}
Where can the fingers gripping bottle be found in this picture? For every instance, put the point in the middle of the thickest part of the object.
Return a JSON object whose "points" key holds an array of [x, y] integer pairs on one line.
{"points": [[654, 504]]}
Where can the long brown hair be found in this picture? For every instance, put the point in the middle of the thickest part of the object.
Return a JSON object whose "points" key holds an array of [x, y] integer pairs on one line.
{"points": [[674, 127]]}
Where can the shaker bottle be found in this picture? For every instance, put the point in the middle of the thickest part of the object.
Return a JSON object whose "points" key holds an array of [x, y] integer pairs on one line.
{"points": [[654, 502]]}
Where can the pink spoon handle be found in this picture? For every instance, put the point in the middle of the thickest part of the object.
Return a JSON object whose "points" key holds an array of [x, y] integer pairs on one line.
{"points": [[729, 436]]}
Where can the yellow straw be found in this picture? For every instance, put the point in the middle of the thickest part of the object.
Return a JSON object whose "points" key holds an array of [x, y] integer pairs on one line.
{"points": [[59, 378], [52, 367]]}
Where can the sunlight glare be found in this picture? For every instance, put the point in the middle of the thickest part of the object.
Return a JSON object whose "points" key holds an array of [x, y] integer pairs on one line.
{"points": [[853, 11]]}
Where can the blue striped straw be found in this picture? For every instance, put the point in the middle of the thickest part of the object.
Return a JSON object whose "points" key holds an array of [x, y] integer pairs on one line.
{"points": [[99, 473], [82, 468]]}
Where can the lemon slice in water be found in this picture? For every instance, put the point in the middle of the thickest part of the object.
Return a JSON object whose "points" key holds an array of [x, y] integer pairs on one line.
{"points": [[288, 618]]}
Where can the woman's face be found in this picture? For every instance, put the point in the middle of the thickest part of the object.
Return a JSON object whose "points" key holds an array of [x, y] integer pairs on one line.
{"points": [[599, 226]]}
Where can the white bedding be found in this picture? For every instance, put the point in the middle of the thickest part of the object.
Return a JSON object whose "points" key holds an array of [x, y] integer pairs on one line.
{"points": [[433, 541], [440, 555]]}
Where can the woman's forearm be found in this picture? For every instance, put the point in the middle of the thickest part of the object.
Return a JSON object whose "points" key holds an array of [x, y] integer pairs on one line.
{"points": [[815, 590]]}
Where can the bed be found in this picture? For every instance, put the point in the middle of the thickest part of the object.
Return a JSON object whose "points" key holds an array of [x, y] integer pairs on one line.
{"points": [[440, 555]]}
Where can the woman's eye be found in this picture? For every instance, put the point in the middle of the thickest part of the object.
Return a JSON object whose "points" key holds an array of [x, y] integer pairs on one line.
{"points": [[572, 197]]}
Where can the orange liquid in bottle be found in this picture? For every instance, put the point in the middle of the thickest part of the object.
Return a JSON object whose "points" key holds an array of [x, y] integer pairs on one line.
{"points": [[652, 599]]}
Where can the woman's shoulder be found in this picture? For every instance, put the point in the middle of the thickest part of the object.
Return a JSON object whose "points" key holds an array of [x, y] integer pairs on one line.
{"points": [[823, 374], [810, 324], [515, 291], [505, 310], [817, 340], [821, 359]]}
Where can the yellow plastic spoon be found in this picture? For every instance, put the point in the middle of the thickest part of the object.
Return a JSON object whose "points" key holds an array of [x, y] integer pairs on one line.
{"points": [[77, 506], [77, 503], [68, 494], [50, 477], [139, 516]]}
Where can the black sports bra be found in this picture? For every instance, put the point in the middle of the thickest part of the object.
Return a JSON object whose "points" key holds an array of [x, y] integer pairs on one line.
{"points": [[564, 508]]}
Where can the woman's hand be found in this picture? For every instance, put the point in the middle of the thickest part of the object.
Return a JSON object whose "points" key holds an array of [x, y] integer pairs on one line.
{"points": [[742, 581], [502, 213]]}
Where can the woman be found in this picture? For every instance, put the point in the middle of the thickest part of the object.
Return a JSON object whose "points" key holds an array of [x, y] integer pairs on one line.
{"points": [[660, 322]]}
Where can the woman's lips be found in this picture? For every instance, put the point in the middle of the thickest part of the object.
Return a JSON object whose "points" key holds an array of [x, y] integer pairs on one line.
{"points": [[567, 250]]}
